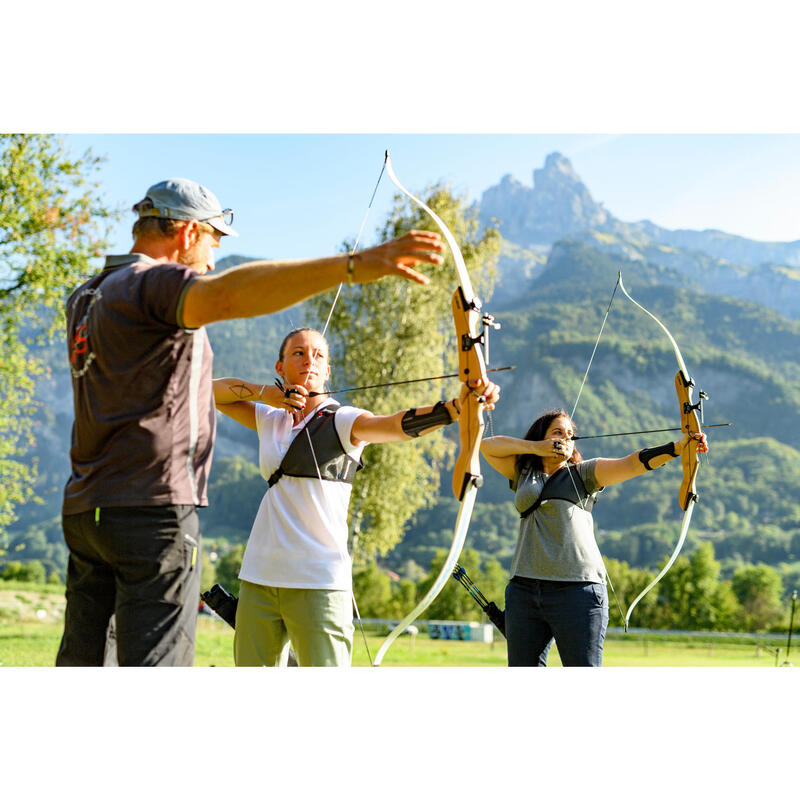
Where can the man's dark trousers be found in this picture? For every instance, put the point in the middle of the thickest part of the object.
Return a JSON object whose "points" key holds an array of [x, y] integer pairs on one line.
{"points": [[143, 565]]}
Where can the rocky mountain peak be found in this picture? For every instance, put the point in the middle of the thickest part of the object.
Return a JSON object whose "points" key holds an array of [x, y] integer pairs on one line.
{"points": [[557, 168], [558, 204]]}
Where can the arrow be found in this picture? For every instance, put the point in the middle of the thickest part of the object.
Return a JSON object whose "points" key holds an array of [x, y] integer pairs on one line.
{"points": [[394, 383], [654, 430]]}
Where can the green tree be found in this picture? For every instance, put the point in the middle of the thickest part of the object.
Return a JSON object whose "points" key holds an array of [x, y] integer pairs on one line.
{"points": [[728, 610], [52, 223], [55, 579], [759, 590], [704, 591], [234, 492], [404, 593], [674, 595], [627, 583], [691, 596], [394, 330], [227, 569], [686, 592], [493, 582], [30, 571], [373, 588], [208, 576]]}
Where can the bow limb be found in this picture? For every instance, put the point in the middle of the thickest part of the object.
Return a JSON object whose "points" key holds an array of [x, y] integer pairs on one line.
{"points": [[690, 424], [687, 516], [458, 258], [466, 473], [663, 327], [471, 364], [462, 526]]}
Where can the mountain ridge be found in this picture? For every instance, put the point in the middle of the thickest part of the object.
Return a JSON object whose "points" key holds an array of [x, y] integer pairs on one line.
{"points": [[559, 206]]}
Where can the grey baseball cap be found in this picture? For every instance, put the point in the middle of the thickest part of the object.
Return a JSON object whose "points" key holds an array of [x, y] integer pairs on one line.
{"points": [[180, 198]]}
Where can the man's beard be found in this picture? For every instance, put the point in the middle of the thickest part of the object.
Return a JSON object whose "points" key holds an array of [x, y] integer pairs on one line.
{"points": [[195, 258]]}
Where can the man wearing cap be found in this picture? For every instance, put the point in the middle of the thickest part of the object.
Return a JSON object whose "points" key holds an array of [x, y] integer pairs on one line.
{"points": [[144, 425]]}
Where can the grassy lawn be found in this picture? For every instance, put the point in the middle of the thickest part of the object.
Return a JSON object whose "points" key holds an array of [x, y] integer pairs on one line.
{"points": [[35, 643], [32, 619]]}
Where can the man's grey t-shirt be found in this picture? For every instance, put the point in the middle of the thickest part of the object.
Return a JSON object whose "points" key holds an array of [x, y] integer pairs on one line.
{"points": [[556, 542], [144, 410]]}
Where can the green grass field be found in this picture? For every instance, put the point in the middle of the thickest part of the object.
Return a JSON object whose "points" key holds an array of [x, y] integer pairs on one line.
{"points": [[35, 643]]}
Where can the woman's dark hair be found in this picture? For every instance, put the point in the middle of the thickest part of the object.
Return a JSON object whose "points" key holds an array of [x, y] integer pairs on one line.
{"points": [[289, 336], [536, 433]]}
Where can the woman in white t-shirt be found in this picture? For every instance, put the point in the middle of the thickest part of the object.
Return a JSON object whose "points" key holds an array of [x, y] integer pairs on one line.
{"points": [[558, 580], [296, 576]]}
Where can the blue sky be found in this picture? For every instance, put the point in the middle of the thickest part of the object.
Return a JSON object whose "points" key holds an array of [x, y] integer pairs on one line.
{"points": [[300, 195]]}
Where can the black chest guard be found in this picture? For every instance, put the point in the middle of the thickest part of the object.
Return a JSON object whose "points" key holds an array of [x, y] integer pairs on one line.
{"points": [[559, 486], [333, 462]]}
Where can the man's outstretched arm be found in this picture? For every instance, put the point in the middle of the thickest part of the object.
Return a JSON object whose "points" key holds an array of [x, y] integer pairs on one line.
{"points": [[263, 287]]}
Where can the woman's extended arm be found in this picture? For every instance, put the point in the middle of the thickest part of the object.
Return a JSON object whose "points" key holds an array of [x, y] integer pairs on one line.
{"points": [[400, 427], [413, 422], [609, 471]]}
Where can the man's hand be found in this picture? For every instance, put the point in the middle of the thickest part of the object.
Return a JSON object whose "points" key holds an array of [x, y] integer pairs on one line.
{"points": [[398, 257]]}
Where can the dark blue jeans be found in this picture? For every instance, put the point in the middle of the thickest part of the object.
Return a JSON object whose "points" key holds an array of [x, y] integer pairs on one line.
{"points": [[574, 613]]}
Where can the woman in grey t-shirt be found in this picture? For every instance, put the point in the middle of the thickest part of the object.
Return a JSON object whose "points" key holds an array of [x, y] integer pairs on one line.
{"points": [[557, 589]]}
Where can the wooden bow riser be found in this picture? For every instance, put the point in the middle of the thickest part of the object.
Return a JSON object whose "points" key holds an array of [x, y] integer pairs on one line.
{"points": [[690, 423], [471, 365]]}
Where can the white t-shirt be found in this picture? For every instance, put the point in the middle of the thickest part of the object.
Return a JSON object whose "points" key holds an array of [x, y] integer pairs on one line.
{"points": [[299, 536]]}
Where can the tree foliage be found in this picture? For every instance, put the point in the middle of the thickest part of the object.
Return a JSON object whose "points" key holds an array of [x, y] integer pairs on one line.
{"points": [[693, 596], [227, 569], [29, 571], [392, 330], [234, 492], [759, 589], [53, 221]]}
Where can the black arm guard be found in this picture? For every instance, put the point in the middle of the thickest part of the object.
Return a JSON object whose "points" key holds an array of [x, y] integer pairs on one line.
{"points": [[649, 453], [414, 424]]}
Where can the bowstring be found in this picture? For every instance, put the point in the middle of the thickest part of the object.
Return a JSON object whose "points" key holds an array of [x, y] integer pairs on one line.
{"points": [[597, 342], [355, 245], [572, 417], [583, 383], [324, 330]]}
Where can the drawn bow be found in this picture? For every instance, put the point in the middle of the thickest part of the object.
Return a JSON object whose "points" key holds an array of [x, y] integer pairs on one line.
{"points": [[471, 329], [690, 423]]}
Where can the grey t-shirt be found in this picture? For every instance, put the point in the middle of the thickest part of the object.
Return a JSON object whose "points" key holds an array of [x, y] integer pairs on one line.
{"points": [[556, 542], [144, 409]]}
